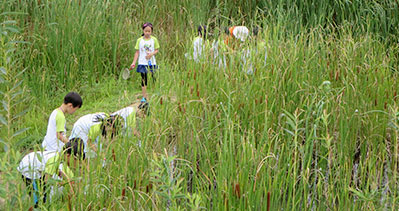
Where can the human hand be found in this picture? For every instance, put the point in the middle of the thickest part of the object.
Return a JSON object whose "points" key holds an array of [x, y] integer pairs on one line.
{"points": [[132, 66], [149, 55]]}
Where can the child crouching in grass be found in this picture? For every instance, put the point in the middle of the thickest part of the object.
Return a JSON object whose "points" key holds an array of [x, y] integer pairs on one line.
{"points": [[200, 44], [91, 127], [37, 167], [129, 115]]}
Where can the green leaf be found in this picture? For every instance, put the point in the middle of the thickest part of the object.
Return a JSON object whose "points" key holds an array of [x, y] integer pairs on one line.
{"points": [[2, 120], [11, 29], [13, 13], [5, 106], [16, 86], [19, 132], [16, 94], [5, 145], [21, 113], [21, 142], [9, 22], [3, 70], [20, 42], [39, 156], [20, 72], [10, 50]]}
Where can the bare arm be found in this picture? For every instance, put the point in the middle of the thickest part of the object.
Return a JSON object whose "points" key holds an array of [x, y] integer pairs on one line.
{"points": [[136, 56], [68, 180], [155, 52], [136, 133], [61, 137], [91, 145], [63, 176]]}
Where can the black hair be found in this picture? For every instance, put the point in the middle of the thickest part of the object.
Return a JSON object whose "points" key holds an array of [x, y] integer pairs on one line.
{"points": [[75, 147], [144, 107], [202, 30], [226, 30], [114, 121], [146, 24], [116, 124], [255, 31], [74, 98]]}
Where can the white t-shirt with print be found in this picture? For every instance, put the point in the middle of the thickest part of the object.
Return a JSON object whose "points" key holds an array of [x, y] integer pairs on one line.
{"points": [[146, 46], [56, 123], [34, 163], [82, 127]]}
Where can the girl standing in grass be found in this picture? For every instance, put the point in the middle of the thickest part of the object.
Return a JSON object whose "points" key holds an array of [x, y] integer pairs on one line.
{"points": [[146, 48]]}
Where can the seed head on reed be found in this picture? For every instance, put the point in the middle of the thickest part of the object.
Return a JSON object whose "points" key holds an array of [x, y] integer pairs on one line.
{"points": [[237, 191], [123, 193]]}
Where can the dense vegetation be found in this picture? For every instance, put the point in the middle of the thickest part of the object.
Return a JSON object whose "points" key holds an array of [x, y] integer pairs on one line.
{"points": [[317, 127]]}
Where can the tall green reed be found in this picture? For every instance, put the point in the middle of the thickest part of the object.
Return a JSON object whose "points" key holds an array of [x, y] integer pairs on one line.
{"points": [[230, 126]]}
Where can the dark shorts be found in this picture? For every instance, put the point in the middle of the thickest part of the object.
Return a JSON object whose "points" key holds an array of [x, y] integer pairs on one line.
{"points": [[145, 68]]}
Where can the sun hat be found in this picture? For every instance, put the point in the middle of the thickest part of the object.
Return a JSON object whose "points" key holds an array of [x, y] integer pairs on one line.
{"points": [[239, 32]]}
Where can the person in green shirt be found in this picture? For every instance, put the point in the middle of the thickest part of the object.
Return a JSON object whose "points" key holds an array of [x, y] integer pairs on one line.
{"points": [[129, 115], [91, 128], [37, 168]]}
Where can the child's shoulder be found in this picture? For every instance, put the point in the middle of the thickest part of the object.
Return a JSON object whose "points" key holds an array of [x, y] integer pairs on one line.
{"points": [[55, 112], [153, 37]]}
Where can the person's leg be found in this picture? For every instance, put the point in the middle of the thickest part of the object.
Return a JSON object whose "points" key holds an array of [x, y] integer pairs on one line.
{"points": [[144, 84], [28, 184], [43, 188], [33, 189], [153, 72], [35, 192]]}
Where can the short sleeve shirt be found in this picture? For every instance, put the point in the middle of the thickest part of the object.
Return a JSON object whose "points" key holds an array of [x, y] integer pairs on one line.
{"points": [[129, 116], [33, 164], [54, 164], [199, 46], [56, 123], [144, 47], [87, 127]]}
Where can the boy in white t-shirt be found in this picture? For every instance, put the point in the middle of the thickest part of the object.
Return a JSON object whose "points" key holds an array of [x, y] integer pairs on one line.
{"points": [[56, 129]]}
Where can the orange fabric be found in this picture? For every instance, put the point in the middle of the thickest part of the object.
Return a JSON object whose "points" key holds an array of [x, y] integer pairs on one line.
{"points": [[231, 29], [226, 41]]}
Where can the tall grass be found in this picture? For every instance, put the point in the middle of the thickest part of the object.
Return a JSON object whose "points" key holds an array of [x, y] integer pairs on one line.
{"points": [[316, 127], [75, 42]]}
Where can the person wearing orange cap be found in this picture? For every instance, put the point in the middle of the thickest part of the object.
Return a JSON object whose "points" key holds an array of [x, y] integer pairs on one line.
{"points": [[236, 33], [234, 43]]}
